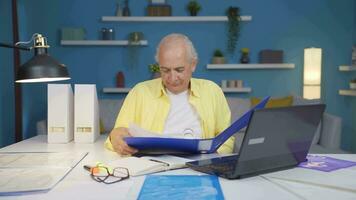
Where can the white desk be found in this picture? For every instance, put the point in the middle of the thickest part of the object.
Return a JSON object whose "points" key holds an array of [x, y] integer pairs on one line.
{"points": [[79, 185]]}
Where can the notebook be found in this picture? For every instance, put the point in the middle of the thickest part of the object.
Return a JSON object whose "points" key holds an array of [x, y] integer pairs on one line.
{"points": [[149, 164]]}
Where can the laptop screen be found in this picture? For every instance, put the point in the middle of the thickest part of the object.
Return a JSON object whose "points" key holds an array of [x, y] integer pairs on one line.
{"points": [[277, 138]]}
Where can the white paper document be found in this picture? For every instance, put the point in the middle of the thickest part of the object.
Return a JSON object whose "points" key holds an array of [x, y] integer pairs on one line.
{"points": [[23, 172], [137, 131], [20, 180]]}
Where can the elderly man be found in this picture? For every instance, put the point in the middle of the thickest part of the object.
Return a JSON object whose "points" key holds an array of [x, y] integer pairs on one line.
{"points": [[174, 103]]}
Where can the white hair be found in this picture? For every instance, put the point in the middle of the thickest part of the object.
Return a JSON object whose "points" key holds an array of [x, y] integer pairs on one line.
{"points": [[191, 53]]}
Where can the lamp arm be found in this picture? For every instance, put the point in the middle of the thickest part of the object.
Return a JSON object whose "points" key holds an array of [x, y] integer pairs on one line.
{"points": [[14, 46]]}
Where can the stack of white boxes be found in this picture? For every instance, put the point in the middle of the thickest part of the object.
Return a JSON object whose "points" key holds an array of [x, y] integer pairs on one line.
{"points": [[70, 117]]}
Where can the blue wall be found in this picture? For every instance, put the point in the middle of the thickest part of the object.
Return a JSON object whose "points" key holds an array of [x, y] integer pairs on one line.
{"points": [[277, 24], [7, 124]]}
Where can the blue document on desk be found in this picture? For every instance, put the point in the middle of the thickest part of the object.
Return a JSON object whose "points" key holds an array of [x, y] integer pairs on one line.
{"points": [[158, 145], [167, 187]]}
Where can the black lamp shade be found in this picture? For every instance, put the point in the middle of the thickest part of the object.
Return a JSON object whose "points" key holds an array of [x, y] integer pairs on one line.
{"points": [[42, 68]]}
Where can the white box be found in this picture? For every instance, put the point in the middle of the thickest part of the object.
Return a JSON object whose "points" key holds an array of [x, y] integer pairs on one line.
{"points": [[60, 113], [86, 113]]}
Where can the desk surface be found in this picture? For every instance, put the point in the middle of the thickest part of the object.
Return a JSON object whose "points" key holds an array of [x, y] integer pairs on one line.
{"points": [[79, 185]]}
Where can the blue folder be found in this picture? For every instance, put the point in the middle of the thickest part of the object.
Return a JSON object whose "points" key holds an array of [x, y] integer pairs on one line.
{"points": [[154, 145]]}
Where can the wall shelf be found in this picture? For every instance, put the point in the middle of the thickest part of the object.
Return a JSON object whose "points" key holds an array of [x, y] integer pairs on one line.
{"points": [[171, 19], [347, 68], [116, 90], [236, 90], [226, 90], [101, 42], [347, 92], [251, 66]]}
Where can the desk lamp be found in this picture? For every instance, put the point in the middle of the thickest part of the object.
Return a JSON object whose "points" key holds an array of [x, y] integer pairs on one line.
{"points": [[41, 67]]}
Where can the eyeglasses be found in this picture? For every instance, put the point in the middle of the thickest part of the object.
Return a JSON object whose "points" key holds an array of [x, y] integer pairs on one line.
{"points": [[105, 175]]}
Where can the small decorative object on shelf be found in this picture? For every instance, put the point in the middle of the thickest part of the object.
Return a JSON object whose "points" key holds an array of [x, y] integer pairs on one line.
{"points": [[154, 69], [72, 33], [245, 55], [126, 10], [120, 79], [224, 84], [135, 37], [239, 83], [353, 84], [271, 56], [218, 57], [193, 7], [107, 33], [233, 15], [231, 84], [159, 9], [118, 12]]}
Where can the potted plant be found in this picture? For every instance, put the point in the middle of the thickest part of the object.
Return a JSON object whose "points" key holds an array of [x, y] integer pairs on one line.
{"points": [[193, 7], [233, 15], [218, 57], [353, 84], [154, 69], [244, 55]]}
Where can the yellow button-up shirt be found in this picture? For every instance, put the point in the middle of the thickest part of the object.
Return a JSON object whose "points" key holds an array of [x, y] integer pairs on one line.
{"points": [[147, 105]]}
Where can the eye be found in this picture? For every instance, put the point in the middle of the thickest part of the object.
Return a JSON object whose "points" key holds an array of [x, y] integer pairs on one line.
{"points": [[180, 70], [164, 70]]}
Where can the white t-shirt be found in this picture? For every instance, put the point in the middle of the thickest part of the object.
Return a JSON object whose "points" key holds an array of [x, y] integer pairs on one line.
{"points": [[182, 120]]}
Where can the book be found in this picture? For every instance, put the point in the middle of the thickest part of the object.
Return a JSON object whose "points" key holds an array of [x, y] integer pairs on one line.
{"points": [[164, 145], [181, 187], [138, 166]]}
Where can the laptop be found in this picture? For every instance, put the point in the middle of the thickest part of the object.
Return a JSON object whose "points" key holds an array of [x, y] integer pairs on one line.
{"points": [[275, 139]]}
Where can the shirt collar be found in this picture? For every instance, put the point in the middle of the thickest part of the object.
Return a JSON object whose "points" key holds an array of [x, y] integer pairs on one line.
{"points": [[194, 88]]}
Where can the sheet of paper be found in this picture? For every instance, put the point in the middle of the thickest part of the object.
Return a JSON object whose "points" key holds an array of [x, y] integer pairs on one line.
{"points": [[137, 131], [23, 172], [39, 159], [30, 179]]}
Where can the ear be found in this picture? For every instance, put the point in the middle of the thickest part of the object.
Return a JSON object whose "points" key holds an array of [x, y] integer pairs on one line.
{"points": [[193, 65]]}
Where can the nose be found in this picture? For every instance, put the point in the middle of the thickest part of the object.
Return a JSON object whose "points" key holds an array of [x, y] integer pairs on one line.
{"points": [[173, 76]]}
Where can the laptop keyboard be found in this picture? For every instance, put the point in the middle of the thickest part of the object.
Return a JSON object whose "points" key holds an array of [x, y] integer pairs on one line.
{"points": [[222, 167], [218, 166]]}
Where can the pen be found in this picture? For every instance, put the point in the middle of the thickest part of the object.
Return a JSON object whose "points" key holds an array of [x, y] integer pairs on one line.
{"points": [[93, 170], [159, 161]]}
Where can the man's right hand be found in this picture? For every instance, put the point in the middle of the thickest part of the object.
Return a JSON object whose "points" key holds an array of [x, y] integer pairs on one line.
{"points": [[117, 140]]}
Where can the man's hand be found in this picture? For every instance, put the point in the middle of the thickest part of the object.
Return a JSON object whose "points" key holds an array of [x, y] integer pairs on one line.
{"points": [[117, 140]]}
